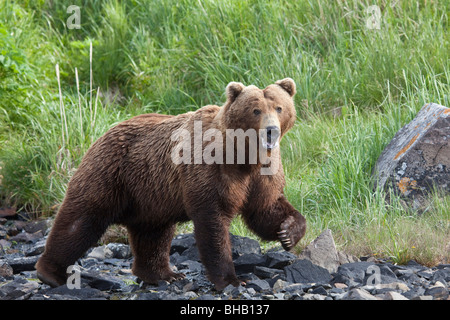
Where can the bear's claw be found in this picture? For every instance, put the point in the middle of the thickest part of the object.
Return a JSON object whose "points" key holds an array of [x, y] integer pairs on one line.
{"points": [[285, 239], [289, 233]]}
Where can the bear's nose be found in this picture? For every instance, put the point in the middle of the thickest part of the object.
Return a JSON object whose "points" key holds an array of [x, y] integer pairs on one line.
{"points": [[273, 133]]}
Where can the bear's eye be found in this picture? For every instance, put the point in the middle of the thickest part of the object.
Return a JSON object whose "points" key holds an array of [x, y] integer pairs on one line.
{"points": [[256, 112], [279, 109]]}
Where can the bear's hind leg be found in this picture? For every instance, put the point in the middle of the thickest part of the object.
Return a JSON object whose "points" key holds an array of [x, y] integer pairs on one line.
{"points": [[151, 249], [71, 235]]}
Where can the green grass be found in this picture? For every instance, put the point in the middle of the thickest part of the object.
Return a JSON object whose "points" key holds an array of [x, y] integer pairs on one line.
{"points": [[356, 88]]}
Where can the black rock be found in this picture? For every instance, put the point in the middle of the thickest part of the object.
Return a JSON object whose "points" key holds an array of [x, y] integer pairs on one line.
{"points": [[294, 288], [243, 245], [101, 282], [319, 290], [191, 254], [416, 267], [377, 274], [149, 296], [18, 289], [206, 297], [264, 272], [182, 242], [279, 259], [176, 258], [414, 293], [27, 237], [304, 271], [20, 264], [36, 249], [258, 285], [192, 266], [81, 294], [354, 271], [437, 292], [247, 262], [237, 291], [34, 226], [119, 250], [442, 274]]}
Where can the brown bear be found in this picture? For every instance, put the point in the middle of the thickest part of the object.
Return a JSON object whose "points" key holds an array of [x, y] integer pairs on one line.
{"points": [[140, 174]]}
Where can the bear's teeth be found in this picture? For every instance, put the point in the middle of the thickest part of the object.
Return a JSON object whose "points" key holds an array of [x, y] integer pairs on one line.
{"points": [[269, 146]]}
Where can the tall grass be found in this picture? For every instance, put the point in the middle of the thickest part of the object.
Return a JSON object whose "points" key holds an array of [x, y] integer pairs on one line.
{"points": [[356, 87]]}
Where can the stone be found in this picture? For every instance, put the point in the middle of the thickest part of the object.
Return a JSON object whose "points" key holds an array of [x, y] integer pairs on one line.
{"points": [[322, 252], [354, 271], [119, 250], [279, 259], [294, 288], [243, 245], [248, 261], [190, 286], [339, 285], [101, 253], [393, 286], [442, 275], [378, 274], [190, 295], [258, 285], [346, 258], [438, 292], [5, 269], [319, 290], [304, 271], [3, 232], [417, 158], [36, 249], [392, 295], [236, 292], [191, 253], [192, 266], [7, 212], [20, 264], [76, 294], [18, 289], [264, 272], [102, 282], [358, 294], [423, 298], [182, 242], [279, 285], [36, 226], [5, 244], [27, 237]]}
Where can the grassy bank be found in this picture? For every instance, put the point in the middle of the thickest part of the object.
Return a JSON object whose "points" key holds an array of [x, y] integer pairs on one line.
{"points": [[356, 87]]}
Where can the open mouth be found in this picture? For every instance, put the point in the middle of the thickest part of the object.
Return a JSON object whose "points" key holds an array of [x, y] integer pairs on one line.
{"points": [[270, 137], [269, 145]]}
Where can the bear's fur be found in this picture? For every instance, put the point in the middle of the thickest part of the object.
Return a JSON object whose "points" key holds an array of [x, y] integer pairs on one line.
{"points": [[128, 177]]}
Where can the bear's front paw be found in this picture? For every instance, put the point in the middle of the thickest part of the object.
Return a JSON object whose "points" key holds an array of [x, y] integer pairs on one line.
{"points": [[291, 231]]}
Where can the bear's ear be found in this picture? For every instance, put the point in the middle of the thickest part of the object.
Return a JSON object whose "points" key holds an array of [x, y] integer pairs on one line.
{"points": [[287, 84], [233, 90]]}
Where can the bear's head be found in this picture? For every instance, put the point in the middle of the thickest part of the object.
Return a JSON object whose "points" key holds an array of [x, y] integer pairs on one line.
{"points": [[269, 111]]}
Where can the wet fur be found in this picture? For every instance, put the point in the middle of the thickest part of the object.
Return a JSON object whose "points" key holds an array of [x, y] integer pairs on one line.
{"points": [[128, 177]]}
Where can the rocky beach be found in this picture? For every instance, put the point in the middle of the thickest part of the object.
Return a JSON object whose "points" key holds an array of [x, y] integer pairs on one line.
{"points": [[318, 273]]}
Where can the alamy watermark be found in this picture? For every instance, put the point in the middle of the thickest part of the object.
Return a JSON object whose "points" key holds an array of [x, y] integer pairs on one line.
{"points": [[240, 147], [74, 20], [74, 278], [374, 277], [373, 21]]}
